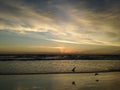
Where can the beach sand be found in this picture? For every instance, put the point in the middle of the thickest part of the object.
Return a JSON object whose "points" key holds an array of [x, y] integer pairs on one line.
{"points": [[78, 81]]}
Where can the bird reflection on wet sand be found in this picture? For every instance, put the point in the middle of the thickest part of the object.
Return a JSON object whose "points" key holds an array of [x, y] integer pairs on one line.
{"points": [[73, 83], [97, 80]]}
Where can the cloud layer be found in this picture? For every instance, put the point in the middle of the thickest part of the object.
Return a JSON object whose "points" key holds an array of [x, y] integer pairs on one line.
{"points": [[64, 21]]}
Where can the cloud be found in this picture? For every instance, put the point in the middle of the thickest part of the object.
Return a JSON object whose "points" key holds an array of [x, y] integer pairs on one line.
{"points": [[67, 21]]}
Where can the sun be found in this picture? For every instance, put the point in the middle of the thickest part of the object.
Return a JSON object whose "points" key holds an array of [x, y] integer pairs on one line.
{"points": [[64, 50]]}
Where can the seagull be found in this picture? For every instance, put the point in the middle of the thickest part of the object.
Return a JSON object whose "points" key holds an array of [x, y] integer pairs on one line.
{"points": [[74, 69]]}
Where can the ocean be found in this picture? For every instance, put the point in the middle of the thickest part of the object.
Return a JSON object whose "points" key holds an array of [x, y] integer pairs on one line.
{"points": [[58, 66], [48, 74]]}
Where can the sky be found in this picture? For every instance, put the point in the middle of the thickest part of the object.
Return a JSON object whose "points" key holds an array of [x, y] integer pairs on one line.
{"points": [[60, 26]]}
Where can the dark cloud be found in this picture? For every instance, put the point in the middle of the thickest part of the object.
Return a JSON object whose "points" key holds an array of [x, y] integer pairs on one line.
{"points": [[6, 7]]}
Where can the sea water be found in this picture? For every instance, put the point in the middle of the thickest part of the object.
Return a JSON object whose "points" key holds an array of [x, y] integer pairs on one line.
{"points": [[58, 66], [32, 77]]}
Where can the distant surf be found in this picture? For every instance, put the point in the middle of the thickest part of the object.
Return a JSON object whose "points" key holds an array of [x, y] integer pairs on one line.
{"points": [[30, 57]]}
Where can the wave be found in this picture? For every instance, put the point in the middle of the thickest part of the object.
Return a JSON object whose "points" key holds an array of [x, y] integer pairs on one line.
{"points": [[26, 57]]}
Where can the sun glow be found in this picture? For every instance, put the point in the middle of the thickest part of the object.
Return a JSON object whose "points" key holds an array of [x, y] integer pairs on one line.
{"points": [[64, 49]]}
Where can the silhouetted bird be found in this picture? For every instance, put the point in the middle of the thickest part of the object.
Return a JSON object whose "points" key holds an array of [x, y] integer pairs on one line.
{"points": [[96, 74], [74, 69]]}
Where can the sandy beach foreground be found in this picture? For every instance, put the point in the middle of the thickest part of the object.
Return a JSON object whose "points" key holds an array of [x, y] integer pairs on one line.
{"points": [[79, 81]]}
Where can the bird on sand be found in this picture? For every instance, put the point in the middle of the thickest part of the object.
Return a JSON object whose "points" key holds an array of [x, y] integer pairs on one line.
{"points": [[96, 74]]}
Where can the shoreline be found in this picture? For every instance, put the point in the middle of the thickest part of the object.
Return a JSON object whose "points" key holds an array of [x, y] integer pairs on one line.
{"points": [[116, 71]]}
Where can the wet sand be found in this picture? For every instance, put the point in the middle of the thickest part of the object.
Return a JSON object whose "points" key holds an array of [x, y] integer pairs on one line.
{"points": [[77, 81]]}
